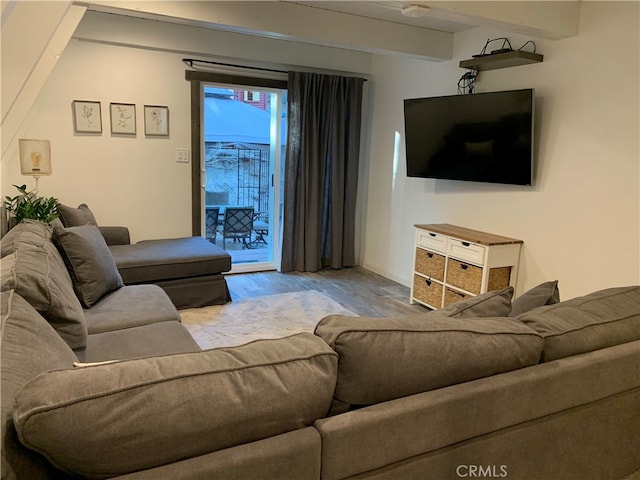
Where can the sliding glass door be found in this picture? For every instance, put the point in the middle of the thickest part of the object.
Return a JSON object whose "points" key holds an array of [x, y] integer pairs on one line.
{"points": [[242, 160]]}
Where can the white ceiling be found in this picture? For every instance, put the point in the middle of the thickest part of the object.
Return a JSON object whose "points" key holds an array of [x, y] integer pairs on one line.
{"points": [[390, 11], [375, 26]]}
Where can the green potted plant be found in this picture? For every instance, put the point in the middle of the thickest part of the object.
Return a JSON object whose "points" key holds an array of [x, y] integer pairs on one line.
{"points": [[30, 205]]}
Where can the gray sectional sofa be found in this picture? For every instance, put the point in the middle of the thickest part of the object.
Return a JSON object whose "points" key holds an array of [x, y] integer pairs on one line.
{"points": [[463, 392], [190, 270]]}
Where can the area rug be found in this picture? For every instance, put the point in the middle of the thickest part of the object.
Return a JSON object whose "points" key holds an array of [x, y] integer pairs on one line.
{"points": [[269, 316]]}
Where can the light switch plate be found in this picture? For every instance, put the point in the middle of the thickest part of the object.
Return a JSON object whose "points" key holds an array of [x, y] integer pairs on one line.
{"points": [[182, 155]]}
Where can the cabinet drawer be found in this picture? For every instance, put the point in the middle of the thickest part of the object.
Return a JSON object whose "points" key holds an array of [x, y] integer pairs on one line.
{"points": [[453, 296], [467, 251], [427, 291], [431, 241], [430, 264], [463, 275], [499, 278]]}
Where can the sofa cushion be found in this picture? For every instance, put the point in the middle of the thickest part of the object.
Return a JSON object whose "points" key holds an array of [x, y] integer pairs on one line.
{"points": [[496, 303], [92, 268], [36, 271], [546, 293], [165, 338], [130, 306], [76, 217], [597, 320], [28, 231], [155, 260], [29, 346], [385, 358], [133, 415]]}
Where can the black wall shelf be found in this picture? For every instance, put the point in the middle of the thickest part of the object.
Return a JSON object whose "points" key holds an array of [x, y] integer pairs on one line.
{"points": [[512, 58]]}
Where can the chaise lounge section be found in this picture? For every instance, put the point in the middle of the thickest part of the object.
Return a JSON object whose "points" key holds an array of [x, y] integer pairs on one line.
{"points": [[189, 269]]}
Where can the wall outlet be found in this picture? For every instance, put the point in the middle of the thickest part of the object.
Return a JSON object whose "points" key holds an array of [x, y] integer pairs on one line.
{"points": [[182, 155]]}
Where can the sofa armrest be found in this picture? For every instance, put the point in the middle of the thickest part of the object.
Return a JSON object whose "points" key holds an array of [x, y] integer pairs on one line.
{"points": [[116, 235]]}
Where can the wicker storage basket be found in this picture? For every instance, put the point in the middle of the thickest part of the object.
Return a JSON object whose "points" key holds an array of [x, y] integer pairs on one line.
{"points": [[499, 278], [453, 296], [427, 291], [430, 264], [464, 276]]}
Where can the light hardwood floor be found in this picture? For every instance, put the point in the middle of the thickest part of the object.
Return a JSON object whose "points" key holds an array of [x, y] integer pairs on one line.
{"points": [[357, 289]]}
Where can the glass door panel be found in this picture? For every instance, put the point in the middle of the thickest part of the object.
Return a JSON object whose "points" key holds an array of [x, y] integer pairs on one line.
{"points": [[244, 131]]}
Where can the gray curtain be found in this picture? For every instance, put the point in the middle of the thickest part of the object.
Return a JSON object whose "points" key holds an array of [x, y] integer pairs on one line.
{"points": [[321, 175]]}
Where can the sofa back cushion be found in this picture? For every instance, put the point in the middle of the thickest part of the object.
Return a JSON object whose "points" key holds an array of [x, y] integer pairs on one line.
{"points": [[598, 320], [28, 231], [36, 271], [122, 417], [29, 347], [93, 270], [547, 293], [496, 303], [383, 358], [76, 217]]}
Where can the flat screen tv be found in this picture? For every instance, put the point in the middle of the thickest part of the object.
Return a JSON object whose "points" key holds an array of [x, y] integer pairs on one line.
{"points": [[480, 137]]}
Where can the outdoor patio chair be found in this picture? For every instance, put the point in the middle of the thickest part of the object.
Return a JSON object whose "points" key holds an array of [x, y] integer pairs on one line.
{"points": [[211, 223], [261, 227], [237, 225]]}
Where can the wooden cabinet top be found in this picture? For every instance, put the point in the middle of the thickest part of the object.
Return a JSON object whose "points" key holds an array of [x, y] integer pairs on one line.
{"points": [[474, 236]]}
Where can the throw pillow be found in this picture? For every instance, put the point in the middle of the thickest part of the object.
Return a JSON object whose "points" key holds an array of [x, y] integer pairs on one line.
{"points": [[496, 303], [148, 412], [89, 261], [546, 293], [384, 358], [598, 320], [75, 217]]}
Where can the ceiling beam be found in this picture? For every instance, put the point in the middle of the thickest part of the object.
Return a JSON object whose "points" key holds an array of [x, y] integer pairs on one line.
{"points": [[34, 35], [296, 22], [553, 20]]}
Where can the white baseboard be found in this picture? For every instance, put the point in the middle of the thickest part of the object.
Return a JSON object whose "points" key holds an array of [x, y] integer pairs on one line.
{"points": [[385, 274]]}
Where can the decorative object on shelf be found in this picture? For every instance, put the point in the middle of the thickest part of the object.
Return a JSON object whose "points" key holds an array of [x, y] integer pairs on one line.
{"points": [[123, 118], [156, 120], [28, 205], [505, 47], [35, 158], [87, 116]]}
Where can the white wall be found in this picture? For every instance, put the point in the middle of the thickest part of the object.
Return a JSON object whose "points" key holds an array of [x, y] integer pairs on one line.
{"points": [[126, 180], [581, 221], [134, 180]]}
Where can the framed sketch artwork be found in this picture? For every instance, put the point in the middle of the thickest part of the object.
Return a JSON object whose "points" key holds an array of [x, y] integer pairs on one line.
{"points": [[87, 117], [123, 118], [156, 120]]}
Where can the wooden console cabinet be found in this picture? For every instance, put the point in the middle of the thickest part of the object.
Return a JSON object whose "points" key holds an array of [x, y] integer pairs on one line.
{"points": [[453, 263]]}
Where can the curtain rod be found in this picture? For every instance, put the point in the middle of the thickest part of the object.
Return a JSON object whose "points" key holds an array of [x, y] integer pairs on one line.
{"points": [[190, 62]]}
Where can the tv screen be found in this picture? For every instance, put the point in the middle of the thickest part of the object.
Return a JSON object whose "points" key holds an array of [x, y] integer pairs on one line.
{"points": [[480, 137]]}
